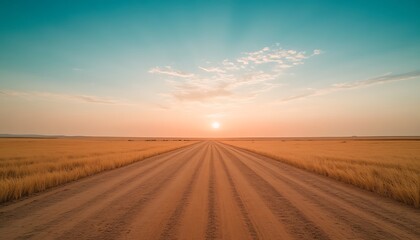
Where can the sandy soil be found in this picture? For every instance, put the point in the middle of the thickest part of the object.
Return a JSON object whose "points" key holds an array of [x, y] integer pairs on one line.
{"points": [[208, 191]]}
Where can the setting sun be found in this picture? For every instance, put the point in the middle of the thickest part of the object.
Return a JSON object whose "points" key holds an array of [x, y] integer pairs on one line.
{"points": [[215, 125]]}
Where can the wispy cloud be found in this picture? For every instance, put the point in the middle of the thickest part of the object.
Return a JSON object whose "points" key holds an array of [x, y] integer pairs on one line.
{"points": [[212, 69], [72, 97], [283, 58], [234, 79], [168, 70], [389, 77], [191, 91]]}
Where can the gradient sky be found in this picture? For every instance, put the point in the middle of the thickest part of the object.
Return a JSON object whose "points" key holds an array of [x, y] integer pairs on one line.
{"points": [[171, 68]]}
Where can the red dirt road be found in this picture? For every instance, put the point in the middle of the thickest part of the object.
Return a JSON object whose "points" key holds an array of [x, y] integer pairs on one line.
{"points": [[208, 191]]}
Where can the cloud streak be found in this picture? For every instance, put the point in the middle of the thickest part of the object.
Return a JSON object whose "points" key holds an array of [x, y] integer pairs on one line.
{"points": [[354, 85], [72, 97], [233, 79], [168, 70], [212, 69]]}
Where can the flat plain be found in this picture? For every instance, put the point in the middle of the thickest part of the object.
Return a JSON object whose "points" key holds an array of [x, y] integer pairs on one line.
{"points": [[208, 190]]}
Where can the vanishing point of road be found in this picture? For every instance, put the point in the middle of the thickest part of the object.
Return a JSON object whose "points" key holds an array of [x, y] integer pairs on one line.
{"points": [[208, 190]]}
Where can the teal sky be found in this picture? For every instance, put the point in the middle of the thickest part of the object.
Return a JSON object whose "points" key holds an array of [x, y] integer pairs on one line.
{"points": [[162, 68]]}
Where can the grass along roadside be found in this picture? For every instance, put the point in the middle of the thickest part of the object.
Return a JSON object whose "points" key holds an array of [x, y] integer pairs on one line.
{"points": [[32, 165], [389, 168]]}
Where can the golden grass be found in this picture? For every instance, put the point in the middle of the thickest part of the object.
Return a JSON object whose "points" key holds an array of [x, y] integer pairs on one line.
{"points": [[389, 168], [32, 165]]}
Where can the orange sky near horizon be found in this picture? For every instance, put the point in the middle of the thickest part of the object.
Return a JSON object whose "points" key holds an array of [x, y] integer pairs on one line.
{"points": [[171, 69]]}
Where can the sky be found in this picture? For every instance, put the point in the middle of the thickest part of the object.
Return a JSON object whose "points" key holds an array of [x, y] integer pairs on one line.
{"points": [[174, 68]]}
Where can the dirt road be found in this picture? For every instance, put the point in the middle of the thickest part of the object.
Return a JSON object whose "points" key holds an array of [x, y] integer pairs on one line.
{"points": [[208, 191]]}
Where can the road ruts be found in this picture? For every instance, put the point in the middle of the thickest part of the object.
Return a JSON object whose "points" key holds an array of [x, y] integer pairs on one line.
{"points": [[236, 202], [173, 223], [209, 190], [212, 223]]}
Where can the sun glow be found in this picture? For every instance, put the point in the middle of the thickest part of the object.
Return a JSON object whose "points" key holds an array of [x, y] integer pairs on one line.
{"points": [[215, 125]]}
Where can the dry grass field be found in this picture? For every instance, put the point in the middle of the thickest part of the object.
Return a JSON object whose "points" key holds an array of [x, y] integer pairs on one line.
{"points": [[387, 167], [211, 190], [32, 165]]}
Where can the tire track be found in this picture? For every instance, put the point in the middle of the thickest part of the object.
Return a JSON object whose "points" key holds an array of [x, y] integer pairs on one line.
{"points": [[212, 231], [279, 204], [236, 196], [174, 220]]}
